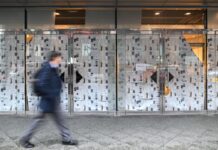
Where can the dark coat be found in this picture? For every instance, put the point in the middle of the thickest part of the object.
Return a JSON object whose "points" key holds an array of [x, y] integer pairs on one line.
{"points": [[50, 85]]}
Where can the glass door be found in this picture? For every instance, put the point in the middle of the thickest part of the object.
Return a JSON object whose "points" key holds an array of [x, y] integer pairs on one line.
{"points": [[91, 70], [138, 71], [39, 44], [184, 88]]}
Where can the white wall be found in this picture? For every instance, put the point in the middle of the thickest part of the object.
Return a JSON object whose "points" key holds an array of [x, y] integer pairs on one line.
{"points": [[101, 19], [11, 18], [129, 18], [41, 19]]}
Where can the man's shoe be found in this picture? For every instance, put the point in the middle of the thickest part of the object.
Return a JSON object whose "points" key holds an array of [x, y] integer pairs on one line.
{"points": [[26, 144], [71, 142]]}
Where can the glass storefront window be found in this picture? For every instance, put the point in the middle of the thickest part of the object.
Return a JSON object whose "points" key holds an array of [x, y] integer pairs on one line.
{"points": [[212, 73], [12, 71], [157, 71]]}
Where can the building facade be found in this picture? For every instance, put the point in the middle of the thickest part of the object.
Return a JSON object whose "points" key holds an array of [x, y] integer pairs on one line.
{"points": [[118, 56]]}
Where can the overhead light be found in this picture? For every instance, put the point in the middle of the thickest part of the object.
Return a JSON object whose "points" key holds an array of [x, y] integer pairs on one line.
{"points": [[56, 13], [188, 13], [157, 13]]}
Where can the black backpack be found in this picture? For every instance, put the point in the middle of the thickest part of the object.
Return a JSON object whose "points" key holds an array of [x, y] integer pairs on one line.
{"points": [[36, 83]]}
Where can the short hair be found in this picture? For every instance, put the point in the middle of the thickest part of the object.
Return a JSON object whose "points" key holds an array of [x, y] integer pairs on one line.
{"points": [[53, 54]]}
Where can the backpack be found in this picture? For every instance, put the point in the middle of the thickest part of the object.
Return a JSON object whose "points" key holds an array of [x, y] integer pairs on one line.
{"points": [[36, 83]]}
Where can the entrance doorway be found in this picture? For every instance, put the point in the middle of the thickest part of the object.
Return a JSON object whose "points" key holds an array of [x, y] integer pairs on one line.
{"points": [[161, 71], [91, 70]]}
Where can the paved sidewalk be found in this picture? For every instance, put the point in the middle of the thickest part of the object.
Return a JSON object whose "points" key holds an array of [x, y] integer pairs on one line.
{"points": [[119, 133]]}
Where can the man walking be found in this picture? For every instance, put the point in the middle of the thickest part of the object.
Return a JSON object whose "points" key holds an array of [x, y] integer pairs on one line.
{"points": [[49, 86]]}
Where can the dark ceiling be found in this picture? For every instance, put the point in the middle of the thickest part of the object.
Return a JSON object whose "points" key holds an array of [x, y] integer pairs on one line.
{"points": [[109, 3]]}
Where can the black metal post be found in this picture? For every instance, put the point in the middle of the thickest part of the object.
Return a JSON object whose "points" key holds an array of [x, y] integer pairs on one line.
{"points": [[25, 62], [115, 19], [205, 63]]}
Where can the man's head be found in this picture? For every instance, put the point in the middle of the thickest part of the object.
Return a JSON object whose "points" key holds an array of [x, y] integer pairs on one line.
{"points": [[55, 57]]}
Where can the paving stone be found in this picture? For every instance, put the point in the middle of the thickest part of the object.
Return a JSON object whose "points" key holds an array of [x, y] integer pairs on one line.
{"points": [[90, 146], [118, 133], [120, 146]]}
